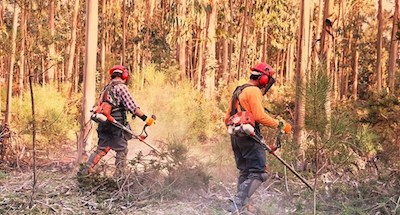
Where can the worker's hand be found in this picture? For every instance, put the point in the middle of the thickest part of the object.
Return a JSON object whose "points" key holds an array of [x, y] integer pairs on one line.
{"points": [[285, 126], [149, 121]]}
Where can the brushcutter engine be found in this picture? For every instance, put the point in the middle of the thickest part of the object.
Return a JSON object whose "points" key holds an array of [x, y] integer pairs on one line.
{"points": [[98, 117]]}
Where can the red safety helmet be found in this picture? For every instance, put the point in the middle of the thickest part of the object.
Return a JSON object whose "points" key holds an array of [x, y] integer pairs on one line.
{"points": [[120, 69], [265, 71]]}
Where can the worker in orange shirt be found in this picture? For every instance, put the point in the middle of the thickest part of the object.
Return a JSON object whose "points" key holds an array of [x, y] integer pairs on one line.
{"points": [[250, 155]]}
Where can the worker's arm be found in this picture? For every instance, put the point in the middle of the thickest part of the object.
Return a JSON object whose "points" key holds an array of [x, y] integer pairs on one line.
{"points": [[253, 97]]}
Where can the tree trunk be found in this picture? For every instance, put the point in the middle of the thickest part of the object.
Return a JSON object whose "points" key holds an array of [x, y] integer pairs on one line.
{"points": [[89, 85], [22, 52], [200, 57], [211, 62], [393, 49], [356, 55], [302, 53], [12, 62], [378, 66], [181, 38], [317, 35], [326, 53], [124, 32], [103, 41], [243, 33], [51, 61], [225, 54], [73, 42], [264, 44]]}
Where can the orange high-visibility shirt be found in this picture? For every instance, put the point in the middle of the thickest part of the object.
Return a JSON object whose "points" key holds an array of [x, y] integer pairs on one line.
{"points": [[251, 100]]}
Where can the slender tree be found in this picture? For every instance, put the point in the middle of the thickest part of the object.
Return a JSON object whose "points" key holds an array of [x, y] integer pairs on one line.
{"points": [[394, 44], [73, 41], [302, 53], [89, 84], [211, 62], [52, 50], [22, 51], [124, 32], [378, 65], [181, 37], [326, 53], [104, 28], [12, 62]]}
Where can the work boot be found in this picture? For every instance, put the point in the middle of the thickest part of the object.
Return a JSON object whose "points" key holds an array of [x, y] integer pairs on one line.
{"points": [[83, 171], [246, 190], [236, 205]]}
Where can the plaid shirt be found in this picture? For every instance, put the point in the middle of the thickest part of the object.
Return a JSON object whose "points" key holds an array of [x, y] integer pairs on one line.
{"points": [[122, 97]]}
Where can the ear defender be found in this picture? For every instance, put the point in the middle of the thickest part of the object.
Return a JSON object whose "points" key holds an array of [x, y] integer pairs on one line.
{"points": [[125, 75], [263, 80]]}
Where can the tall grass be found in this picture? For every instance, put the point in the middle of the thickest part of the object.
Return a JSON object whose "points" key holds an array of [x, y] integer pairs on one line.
{"points": [[56, 115]]}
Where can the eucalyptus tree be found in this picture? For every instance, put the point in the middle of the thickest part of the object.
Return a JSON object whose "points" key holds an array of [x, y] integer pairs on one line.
{"points": [[85, 137], [12, 62], [394, 44], [326, 53], [72, 48], [378, 65], [210, 60], [51, 46], [301, 67]]}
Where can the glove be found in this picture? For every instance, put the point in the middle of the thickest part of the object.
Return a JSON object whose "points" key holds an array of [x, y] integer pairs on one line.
{"points": [[149, 121], [286, 127]]}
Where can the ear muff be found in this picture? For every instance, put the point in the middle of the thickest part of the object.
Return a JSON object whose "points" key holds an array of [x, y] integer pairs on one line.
{"points": [[125, 75], [263, 80]]}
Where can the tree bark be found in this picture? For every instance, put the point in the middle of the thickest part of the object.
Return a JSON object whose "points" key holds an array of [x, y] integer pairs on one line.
{"points": [[355, 63], [378, 66], [393, 53], [89, 86], [225, 54], [73, 42], [326, 55], [22, 51], [103, 40], [211, 62], [243, 33], [124, 32], [181, 38], [51, 61], [12, 62], [302, 53]]}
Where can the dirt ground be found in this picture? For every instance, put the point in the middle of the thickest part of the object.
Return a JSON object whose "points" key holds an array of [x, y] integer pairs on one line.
{"points": [[59, 191]]}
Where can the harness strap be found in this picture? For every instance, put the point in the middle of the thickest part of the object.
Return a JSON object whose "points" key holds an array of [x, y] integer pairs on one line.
{"points": [[235, 98]]}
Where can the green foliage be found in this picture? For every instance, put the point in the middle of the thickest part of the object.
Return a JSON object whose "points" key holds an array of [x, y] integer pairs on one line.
{"points": [[316, 91], [382, 116], [55, 117]]}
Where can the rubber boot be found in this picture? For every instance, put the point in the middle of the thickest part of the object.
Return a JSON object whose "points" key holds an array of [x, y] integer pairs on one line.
{"points": [[246, 190], [92, 161]]}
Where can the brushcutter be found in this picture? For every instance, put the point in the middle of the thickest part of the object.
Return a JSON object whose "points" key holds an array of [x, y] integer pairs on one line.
{"points": [[99, 117], [271, 149]]}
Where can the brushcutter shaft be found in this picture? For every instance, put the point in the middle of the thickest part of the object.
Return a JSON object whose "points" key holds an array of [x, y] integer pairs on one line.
{"points": [[266, 147]]}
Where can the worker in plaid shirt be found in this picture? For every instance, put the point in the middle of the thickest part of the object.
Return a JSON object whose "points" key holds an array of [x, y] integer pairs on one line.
{"points": [[116, 94]]}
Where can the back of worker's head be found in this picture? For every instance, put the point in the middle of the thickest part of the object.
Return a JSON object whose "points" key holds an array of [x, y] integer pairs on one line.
{"points": [[262, 73], [119, 71]]}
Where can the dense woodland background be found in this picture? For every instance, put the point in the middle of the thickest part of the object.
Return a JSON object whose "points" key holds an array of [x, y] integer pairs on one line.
{"points": [[336, 64]]}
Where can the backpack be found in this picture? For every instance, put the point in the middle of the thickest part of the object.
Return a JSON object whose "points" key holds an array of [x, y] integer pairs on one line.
{"points": [[240, 123]]}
